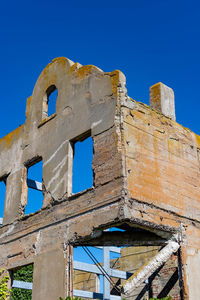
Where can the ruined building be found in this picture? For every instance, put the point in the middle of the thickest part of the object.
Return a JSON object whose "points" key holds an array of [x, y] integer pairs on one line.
{"points": [[146, 175]]}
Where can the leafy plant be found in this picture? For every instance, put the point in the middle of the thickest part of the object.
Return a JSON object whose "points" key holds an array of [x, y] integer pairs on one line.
{"points": [[77, 298], [23, 274], [4, 291], [69, 298], [165, 298]]}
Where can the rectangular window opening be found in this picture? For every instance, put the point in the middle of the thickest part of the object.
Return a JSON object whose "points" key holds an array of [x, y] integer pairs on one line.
{"points": [[22, 280], [2, 196], [100, 271], [92, 266], [82, 177], [84, 278], [34, 183]]}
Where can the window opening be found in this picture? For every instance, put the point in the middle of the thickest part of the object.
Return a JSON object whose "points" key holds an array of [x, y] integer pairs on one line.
{"points": [[113, 265], [93, 270], [34, 183], [2, 197], [49, 101], [82, 177], [22, 279], [84, 278]]}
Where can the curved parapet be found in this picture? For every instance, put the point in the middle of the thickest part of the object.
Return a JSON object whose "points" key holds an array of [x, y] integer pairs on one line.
{"points": [[79, 87], [54, 74]]}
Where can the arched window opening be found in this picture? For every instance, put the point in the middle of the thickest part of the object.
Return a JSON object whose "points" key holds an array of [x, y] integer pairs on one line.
{"points": [[49, 101]]}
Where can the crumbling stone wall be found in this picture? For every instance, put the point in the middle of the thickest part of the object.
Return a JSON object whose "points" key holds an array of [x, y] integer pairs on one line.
{"points": [[162, 177], [146, 175]]}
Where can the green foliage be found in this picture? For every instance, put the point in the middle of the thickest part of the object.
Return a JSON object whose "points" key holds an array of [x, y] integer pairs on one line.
{"points": [[69, 298], [165, 298], [23, 274], [4, 291], [76, 298]]}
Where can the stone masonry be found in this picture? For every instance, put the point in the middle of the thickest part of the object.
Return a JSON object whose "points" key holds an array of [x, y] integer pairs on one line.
{"points": [[146, 173]]}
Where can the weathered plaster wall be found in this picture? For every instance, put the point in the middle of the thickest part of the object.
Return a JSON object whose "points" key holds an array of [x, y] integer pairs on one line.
{"points": [[48, 268], [86, 104]]}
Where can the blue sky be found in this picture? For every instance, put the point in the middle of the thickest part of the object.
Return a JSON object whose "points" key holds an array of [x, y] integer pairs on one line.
{"points": [[150, 41]]}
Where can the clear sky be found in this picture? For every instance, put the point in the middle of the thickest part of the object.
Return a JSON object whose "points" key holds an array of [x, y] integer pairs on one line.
{"points": [[149, 40]]}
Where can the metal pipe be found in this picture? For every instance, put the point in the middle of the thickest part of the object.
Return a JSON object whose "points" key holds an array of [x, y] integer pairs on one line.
{"points": [[148, 269]]}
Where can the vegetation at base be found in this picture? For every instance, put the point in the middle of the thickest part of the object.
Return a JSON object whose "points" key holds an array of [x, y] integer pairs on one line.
{"points": [[69, 298], [77, 298], [4, 291], [165, 298], [23, 274]]}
